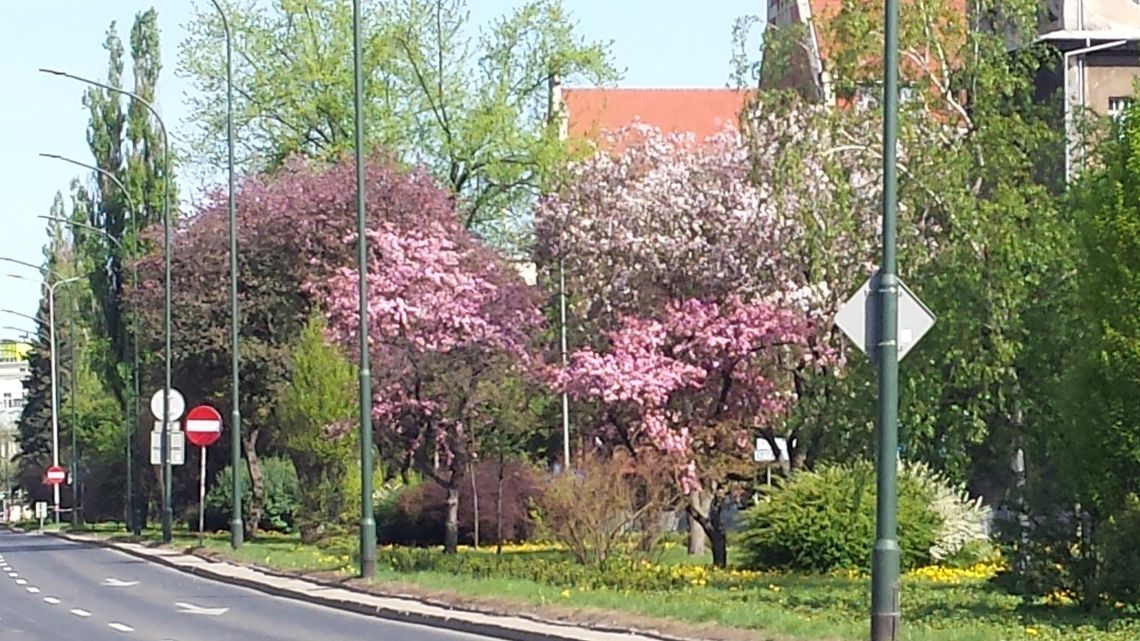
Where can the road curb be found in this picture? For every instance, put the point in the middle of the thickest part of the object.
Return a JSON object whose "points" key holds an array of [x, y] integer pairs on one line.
{"points": [[455, 624]]}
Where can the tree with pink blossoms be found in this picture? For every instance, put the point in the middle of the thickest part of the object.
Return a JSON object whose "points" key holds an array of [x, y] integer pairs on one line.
{"points": [[295, 227], [693, 385], [448, 320]]}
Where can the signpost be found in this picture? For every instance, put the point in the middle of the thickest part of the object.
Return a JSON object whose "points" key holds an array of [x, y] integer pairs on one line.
{"points": [[859, 319], [41, 512], [55, 475], [167, 408], [203, 428], [885, 319]]}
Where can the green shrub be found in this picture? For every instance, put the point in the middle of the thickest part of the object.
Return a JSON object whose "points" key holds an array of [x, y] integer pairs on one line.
{"points": [[824, 520], [1120, 555], [282, 495]]}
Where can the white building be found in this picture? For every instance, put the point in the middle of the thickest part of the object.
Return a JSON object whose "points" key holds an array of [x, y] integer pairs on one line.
{"points": [[13, 371]]}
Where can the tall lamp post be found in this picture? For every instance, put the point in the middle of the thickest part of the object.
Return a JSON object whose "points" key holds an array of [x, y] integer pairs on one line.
{"points": [[885, 610], [132, 424], [367, 520], [167, 509], [236, 532], [54, 364]]}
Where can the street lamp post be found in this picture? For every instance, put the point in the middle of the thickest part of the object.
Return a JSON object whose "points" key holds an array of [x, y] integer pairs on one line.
{"points": [[885, 610], [54, 366], [236, 532], [133, 423], [367, 520], [167, 509]]}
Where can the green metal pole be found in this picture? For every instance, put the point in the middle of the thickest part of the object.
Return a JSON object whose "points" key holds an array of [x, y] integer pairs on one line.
{"points": [[74, 424], [167, 509], [885, 610], [367, 520], [236, 527], [132, 421]]}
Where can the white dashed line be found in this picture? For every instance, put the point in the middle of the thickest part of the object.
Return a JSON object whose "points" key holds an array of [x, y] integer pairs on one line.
{"points": [[81, 613], [52, 600], [13, 574], [121, 627], [33, 589], [21, 581]]}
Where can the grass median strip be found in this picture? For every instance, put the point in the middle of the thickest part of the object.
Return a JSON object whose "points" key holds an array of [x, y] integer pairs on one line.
{"points": [[671, 593]]}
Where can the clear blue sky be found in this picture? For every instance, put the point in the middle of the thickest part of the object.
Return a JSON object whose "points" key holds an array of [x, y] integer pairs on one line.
{"points": [[659, 43]]}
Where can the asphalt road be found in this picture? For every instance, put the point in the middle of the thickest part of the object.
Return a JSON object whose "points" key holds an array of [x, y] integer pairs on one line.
{"points": [[53, 590]]}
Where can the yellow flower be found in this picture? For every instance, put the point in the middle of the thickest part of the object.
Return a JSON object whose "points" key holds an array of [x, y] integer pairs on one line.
{"points": [[566, 593], [773, 587], [1031, 631]]}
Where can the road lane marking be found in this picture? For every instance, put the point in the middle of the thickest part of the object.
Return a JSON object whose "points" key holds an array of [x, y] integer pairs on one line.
{"points": [[112, 582], [80, 613], [13, 574], [190, 608], [21, 581], [121, 627], [52, 600], [33, 589]]}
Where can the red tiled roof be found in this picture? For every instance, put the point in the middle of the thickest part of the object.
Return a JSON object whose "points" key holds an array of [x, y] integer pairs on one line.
{"points": [[702, 112]]}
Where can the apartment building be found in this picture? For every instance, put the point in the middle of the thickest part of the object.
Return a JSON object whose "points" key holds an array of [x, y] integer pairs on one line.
{"points": [[13, 372], [1096, 39]]}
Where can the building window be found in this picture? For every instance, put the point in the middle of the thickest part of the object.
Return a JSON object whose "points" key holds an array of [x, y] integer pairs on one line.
{"points": [[1118, 104]]}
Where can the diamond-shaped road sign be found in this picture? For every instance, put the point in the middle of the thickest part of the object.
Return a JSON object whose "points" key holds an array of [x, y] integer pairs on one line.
{"points": [[858, 318]]}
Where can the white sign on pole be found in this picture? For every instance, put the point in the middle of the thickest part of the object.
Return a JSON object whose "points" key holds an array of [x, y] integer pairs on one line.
{"points": [[41, 509], [177, 445], [177, 404], [859, 319], [763, 452]]}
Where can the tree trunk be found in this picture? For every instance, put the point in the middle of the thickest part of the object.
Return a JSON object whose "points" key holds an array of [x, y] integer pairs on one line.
{"points": [[719, 539], [475, 504], [257, 482], [700, 502], [499, 510], [451, 529], [717, 533]]}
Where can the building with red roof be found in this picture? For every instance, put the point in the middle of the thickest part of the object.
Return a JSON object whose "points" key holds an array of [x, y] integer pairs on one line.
{"points": [[591, 112]]}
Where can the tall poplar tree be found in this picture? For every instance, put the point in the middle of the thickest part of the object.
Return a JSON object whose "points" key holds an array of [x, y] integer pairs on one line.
{"points": [[128, 144]]}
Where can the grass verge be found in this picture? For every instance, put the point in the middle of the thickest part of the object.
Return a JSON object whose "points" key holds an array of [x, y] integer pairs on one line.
{"points": [[938, 605]]}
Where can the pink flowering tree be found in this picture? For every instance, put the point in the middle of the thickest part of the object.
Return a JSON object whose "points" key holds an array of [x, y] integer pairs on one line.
{"points": [[295, 228], [693, 387], [448, 319], [786, 210]]}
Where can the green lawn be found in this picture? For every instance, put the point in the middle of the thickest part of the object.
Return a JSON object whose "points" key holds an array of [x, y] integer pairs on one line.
{"points": [[938, 606]]}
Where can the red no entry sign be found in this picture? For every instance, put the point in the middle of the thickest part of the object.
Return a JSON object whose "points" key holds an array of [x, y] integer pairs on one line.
{"points": [[203, 426], [56, 475]]}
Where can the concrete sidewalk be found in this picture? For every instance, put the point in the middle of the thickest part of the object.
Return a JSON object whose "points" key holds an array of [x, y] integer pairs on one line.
{"points": [[408, 610]]}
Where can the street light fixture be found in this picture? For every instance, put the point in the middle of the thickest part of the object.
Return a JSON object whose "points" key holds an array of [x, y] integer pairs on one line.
{"points": [[54, 363], [367, 520], [132, 422], [167, 509], [75, 503], [236, 529]]}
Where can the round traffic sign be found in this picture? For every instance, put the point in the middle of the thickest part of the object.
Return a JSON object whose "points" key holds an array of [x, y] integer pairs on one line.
{"points": [[177, 405], [203, 426], [56, 475]]}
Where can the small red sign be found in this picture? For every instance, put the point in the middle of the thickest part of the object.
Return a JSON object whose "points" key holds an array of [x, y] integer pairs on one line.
{"points": [[203, 426], [56, 475]]}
